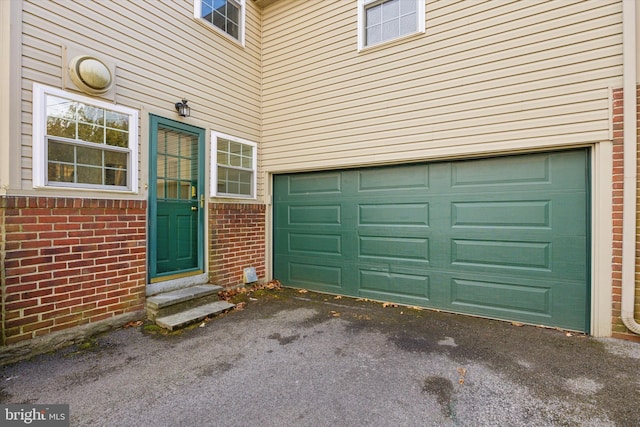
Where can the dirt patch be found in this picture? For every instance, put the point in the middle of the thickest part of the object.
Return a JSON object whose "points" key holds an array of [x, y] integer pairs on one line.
{"points": [[442, 389]]}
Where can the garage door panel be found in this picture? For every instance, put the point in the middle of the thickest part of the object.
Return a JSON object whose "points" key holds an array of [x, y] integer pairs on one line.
{"points": [[403, 287], [502, 171], [317, 244], [394, 214], [310, 273], [393, 248], [501, 254], [493, 298], [501, 214], [504, 237], [314, 183], [314, 214], [395, 179]]}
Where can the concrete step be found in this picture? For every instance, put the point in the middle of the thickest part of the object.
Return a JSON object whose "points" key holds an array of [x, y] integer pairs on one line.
{"points": [[180, 300], [174, 297], [192, 315]]}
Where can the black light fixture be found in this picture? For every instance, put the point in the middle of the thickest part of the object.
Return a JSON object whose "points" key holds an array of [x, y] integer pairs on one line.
{"points": [[183, 109]]}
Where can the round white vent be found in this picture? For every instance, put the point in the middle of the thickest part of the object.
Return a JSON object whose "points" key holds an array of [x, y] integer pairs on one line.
{"points": [[90, 74]]}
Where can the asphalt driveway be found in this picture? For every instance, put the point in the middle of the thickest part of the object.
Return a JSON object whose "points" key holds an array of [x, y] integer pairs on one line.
{"points": [[307, 359]]}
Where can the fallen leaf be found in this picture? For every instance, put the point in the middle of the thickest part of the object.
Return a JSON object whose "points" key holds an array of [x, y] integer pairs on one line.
{"points": [[337, 297], [202, 325], [240, 306], [335, 313], [462, 372], [568, 334], [517, 324], [389, 304], [133, 324], [302, 291]]}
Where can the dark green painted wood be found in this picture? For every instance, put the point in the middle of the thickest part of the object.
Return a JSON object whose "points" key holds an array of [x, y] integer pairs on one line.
{"points": [[176, 176], [505, 237]]}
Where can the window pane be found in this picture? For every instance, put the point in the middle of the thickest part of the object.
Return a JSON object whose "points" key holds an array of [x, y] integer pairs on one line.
{"points": [[390, 30], [188, 146], [117, 120], [232, 29], [408, 24], [60, 173], [115, 160], [232, 13], [171, 168], [223, 158], [160, 191], [117, 138], [90, 114], [185, 190], [60, 152], [89, 175], [89, 156], [205, 11], [91, 133], [57, 126], [115, 177], [161, 172], [218, 20], [408, 6], [172, 141], [185, 169], [374, 34], [390, 10], [172, 190], [374, 15], [60, 107]]}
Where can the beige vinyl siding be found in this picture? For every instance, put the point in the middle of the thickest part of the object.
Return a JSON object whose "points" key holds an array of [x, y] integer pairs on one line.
{"points": [[162, 54], [485, 77]]}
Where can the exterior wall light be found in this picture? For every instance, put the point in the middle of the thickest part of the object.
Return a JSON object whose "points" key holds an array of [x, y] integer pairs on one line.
{"points": [[183, 109]]}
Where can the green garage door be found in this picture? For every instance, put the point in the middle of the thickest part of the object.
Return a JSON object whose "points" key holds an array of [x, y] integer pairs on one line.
{"points": [[505, 238]]}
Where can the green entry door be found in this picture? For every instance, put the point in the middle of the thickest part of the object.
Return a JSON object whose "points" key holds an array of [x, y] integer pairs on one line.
{"points": [[504, 238], [176, 199]]}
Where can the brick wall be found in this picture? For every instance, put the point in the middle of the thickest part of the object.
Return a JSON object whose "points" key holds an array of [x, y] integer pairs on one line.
{"points": [[618, 329], [69, 262], [237, 241]]}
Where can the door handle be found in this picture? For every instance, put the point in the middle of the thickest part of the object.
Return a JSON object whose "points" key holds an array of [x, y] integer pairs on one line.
{"points": [[194, 208]]}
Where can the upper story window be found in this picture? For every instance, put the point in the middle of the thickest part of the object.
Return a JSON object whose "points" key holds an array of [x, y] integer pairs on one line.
{"points": [[81, 142], [384, 20], [235, 171], [226, 16]]}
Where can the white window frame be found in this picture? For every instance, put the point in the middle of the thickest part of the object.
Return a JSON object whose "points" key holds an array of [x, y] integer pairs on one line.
{"points": [[39, 141], [214, 166], [364, 4], [197, 14]]}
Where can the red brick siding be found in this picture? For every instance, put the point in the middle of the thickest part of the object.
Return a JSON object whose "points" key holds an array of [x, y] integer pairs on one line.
{"points": [[618, 329], [237, 241], [70, 262]]}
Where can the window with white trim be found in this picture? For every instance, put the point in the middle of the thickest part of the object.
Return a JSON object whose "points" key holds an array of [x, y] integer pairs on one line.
{"points": [[235, 160], [81, 142], [226, 16], [380, 21]]}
